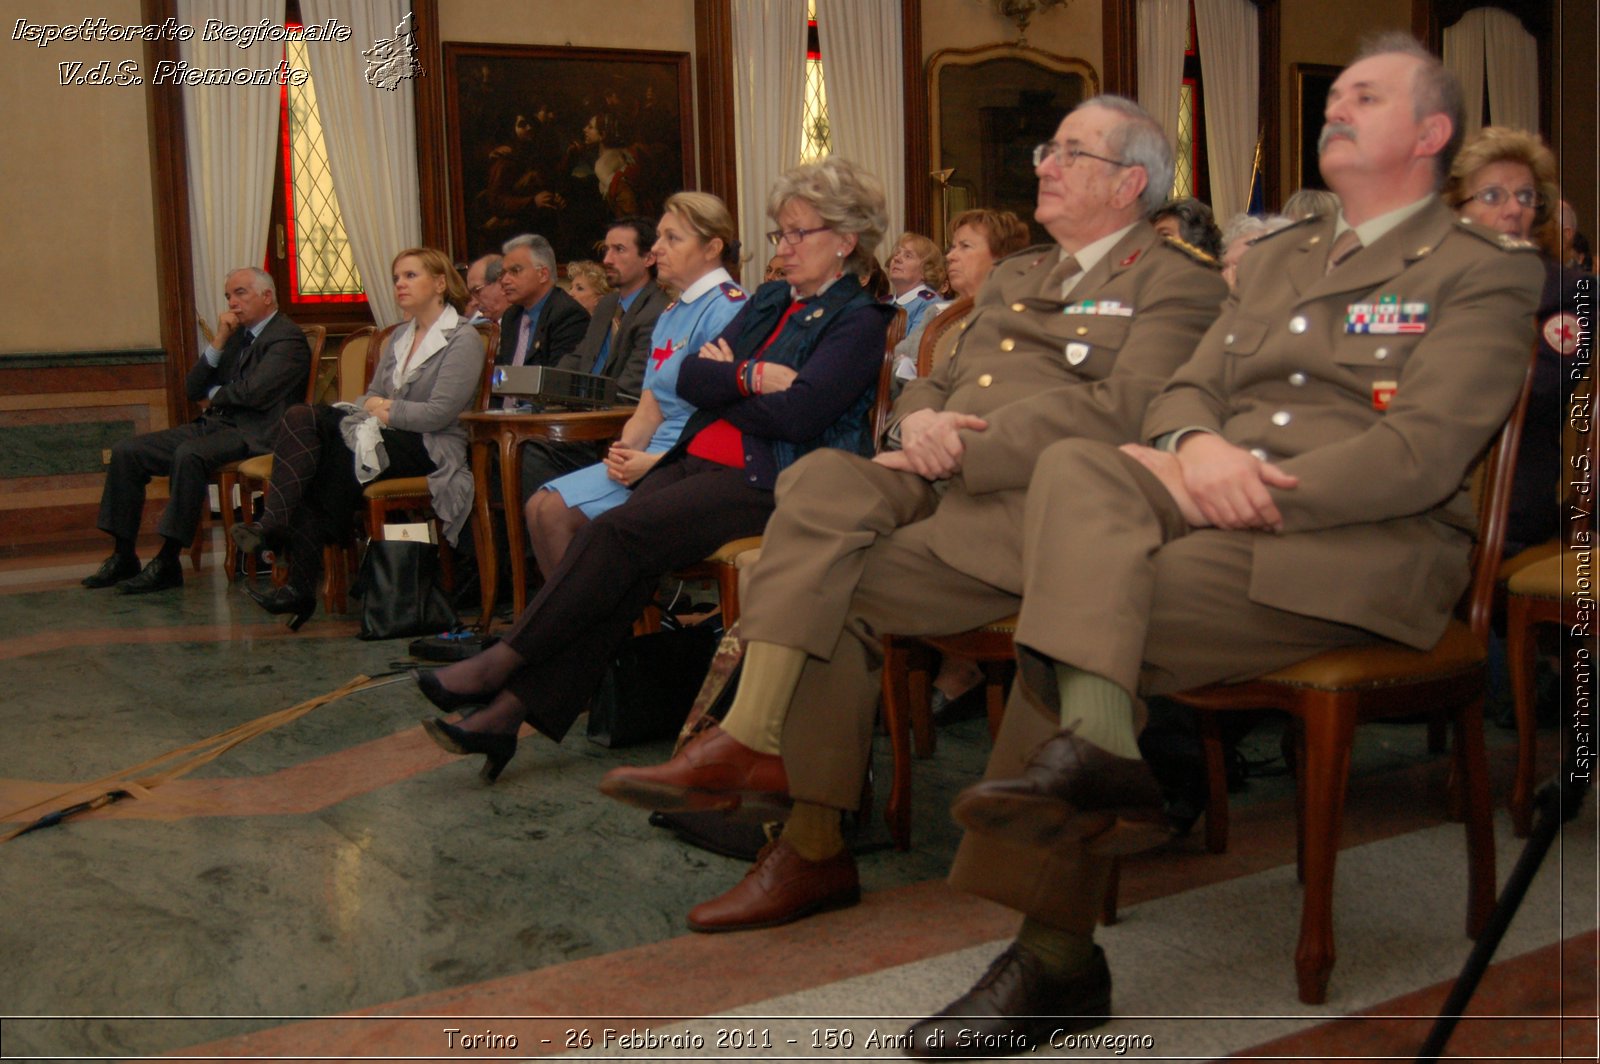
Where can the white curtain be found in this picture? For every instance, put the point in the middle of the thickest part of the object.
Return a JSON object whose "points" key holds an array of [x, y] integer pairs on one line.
{"points": [[372, 143], [1163, 33], [769, 53], [1512, 58], [232, 135], [1463, 57], [1231, 47], [860, 42], [1490, 40]]}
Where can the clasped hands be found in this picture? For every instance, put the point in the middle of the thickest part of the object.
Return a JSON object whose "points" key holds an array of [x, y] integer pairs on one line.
{"points": [[379, 408], [1215, 484], [930, 443]]}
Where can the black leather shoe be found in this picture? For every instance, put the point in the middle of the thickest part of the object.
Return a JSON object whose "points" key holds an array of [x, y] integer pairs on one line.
{"points": [[158, 575], [114, 570], [445, 700], [968, 705], [1070, 794], [1015, 1006], [286, 600], [498, 750]]}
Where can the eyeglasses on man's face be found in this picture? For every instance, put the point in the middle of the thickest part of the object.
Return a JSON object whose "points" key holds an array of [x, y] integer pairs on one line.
{"points": [[792, 236], [1065, 156], [1494, 195]]}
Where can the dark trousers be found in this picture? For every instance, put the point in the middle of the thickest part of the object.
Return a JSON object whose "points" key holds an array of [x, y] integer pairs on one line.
{"points": [[314, 491], [676, 516], [188, 455]]}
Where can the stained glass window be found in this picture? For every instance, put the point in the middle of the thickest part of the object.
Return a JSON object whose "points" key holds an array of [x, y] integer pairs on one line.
{"points": [[815, 138], [320, 265]]}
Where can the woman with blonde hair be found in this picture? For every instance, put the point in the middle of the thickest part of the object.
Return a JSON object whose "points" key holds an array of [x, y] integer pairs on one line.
{"points": [[586, 282], [793, 372], [694, 249], [1505, 179], [406, 425]]}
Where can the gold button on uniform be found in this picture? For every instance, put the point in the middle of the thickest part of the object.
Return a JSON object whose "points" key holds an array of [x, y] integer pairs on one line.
{"points": [[1018, 307], [1297, 379], [1282, 418], [1298, 324], [1007, 344], [1381, 353], [1258, 454], [1083, 330], [985, 380]]}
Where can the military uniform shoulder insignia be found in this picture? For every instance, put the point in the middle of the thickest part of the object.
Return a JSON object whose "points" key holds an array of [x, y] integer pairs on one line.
{"points": [[1190, 250], [1298, 223], [927, 293], [1035, 254], [1495, 237], [732, 292]]}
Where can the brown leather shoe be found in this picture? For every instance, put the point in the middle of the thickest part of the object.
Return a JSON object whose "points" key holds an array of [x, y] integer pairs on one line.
{"points": [[1015, 1006], [781, 887], [1070, 793], [712, 771]]}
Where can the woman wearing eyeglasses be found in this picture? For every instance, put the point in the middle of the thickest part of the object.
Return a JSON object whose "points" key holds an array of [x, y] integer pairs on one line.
{"points": [[1505, 179], [793, 372]]}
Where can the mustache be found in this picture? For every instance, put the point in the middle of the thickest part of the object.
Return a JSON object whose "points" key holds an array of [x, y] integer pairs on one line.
{"points": [[1331, 130]]}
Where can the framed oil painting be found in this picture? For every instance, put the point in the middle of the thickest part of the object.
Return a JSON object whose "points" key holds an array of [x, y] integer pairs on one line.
{"points": [[559, 141]]}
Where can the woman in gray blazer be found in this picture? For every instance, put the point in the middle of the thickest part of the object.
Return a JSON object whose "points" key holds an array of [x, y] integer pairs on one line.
{"points": [[406, 425]]}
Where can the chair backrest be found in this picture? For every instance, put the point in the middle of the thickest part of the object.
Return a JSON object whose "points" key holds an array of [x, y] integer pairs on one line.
{"points": [[316, 338], [490, 331], [897, 328], [1491, 488], [353, 364], [374, 353], [941, 322]]}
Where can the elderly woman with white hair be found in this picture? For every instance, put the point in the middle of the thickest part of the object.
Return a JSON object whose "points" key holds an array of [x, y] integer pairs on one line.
{"points": [[1242, 231], [793, 372]]}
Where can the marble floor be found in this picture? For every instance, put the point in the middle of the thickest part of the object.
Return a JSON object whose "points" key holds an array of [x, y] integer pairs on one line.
{"points": [[337, 888]]}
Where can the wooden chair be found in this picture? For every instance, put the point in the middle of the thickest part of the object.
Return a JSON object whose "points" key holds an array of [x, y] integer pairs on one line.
{"points": [[228, 477], [1328, 695], [1544, 585], [724, 563], [411, 494]]}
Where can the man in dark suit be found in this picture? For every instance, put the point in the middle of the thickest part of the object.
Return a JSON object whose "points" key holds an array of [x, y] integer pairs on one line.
{"points": [[255, 366], [616, 344], [543, 323]]}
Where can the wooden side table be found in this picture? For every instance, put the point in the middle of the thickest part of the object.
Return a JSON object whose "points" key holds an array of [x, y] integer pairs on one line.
{"points": [[495, 433]]}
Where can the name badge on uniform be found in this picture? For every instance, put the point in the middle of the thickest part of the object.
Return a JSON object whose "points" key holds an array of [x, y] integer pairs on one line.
{"points": [[1076, 353], [1389, 316], [1383, 394]]}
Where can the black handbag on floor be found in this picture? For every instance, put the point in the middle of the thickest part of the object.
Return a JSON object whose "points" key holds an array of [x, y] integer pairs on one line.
{"points": [[647, 691], [398, 586]]}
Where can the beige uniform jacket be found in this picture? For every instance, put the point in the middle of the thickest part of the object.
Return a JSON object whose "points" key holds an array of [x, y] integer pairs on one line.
{"points": [[1039, 369], [1377, 385]]}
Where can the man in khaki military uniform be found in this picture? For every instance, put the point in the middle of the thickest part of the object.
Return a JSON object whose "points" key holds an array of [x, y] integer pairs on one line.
{"points": [[1304, 490], [1073, 338]]}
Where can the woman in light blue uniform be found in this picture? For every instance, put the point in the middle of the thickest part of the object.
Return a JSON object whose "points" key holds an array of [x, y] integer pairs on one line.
{"points": [[693, 250]]}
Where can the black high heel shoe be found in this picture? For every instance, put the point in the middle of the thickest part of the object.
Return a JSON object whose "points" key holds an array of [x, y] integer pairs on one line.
{"points": [[446, 700], [497, 750], [286, 600]]}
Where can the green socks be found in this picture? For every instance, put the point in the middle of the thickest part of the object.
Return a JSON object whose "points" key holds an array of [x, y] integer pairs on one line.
{"points": [[813, 831], [1061, 952], [766, 684], [1099, 710]]}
